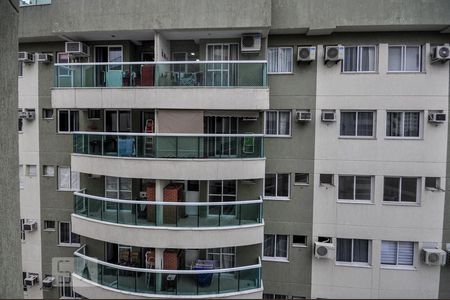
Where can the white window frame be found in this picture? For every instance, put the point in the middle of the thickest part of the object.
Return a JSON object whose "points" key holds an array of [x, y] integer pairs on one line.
{"points": [[278, 58], [118, 190], [70, 244], [302, 183], [359, 58], [277, 258], [400, 202], [50, 228], [221, 195], [421, 124], [397, 266], [403, 59], [353, 263], [72, 173], [278, 123], [372, 185], [63, 283], [356, 136], [69, 120], [276, 187]]}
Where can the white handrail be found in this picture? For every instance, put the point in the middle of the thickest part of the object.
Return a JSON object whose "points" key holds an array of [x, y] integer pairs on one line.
{"points": [[163, 271], [168, 134], [146, 202], [196, 62]]}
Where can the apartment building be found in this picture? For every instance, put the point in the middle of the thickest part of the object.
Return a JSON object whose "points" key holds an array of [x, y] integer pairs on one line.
{"points": [[234, 149]]}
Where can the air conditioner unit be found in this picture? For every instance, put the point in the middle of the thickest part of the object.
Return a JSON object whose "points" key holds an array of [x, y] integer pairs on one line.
{"points": [[30, 226], [31, 279], [29, 115], [334, 53], [434, 257], [26, 57], [23, 114], [437, 117], [328, 116], [304, 116], [77, 48], [324, 250], [44, 58], [251, 43], [440, 53], [47, 283], [306, 54], [143, 195]]}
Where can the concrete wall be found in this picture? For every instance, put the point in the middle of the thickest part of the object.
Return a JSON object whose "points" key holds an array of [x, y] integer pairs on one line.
{"points": [[10, 260]]}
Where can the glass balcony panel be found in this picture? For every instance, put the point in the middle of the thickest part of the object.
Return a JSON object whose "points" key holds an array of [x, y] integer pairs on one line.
{"points": [[208, 283], [110, 276], [81, 206], [110, 212], [110, 147], [127, 280], [95, 209], [229, 282], [146, 282], [127, 213], [187, 284], [249, 279]]}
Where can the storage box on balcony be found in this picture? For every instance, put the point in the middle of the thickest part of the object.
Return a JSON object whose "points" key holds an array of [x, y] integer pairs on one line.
{"points": [[173, 193], [151, 209]]}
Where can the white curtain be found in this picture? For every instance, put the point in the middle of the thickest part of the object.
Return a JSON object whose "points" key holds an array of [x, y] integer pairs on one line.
{"points": [[281, 247], [269, 245], [405, 253], [75, 181], [280, 60], [271, 122], [411, 124], [284, 126], [393, 124], [412, 58], [365, 124], [388, 253], [367, 62], [395, 58], [64, 178]]}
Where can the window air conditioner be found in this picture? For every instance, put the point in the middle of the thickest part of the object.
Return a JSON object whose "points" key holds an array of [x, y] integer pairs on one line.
{"points": [[440, 53], [47, 283], [434, 257], [30, 226], [44, 58], [23, 114], [251, 43], [29, 114], [328, 116], [306, 53], [143, 195], [31, 279], [304, 116], [437, 117], [26, 57], [334, 53], [324, 250], [77, 48]]}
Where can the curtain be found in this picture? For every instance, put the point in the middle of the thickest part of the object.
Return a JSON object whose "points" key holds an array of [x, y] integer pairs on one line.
{"points": [[405, 253], [348, 123], [74, 121], [363, 188], [388, 253], [344, 250], [272, 60], [285, 57], [281, 246], [365, 124], [393, 124], [271, 122], [350, 59], [269, 245], [64, 178], [412, 58], [280, 60], [395, 58], [411, 124], [75, 181], [361, 251], [409, 189], [284, 126], [367, 62], [346, 187]]}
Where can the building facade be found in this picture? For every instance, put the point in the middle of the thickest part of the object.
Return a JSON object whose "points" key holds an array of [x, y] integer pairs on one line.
{"points": [[234, 149]]}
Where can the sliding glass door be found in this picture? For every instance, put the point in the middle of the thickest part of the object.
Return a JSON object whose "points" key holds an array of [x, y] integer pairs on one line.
{"points": [[222, 74]]}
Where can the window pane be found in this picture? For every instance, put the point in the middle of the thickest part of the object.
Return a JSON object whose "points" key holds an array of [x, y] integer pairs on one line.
{"points": [[365, 124], [395, 59], [344, 250], [412, 57], [63, 121], [409, 189], [74, 121], [269, 245], [215, 187], [125, 184], [111, 121], [350, 59], [111, 183], [64, 178], [285, 57], [271, 122], [283, 185], [361, 251], [393, 124], [348, 123], [64, 233], [272, 64], [270, 185], [367, 59], [411, 124], [284, 126], [405, 253], [229, 187], [75, 238], [388, 253], [363, 187], [281, 246], [346, 187], [124, 121], [391, 189]]}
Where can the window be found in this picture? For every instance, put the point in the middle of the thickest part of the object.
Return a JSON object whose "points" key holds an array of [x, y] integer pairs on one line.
{"points": [[22, 231], [118, 121], [49, 225], [299, 240], [401, 189], [405, 59], [118, 188], [68, 121], [276, 186], [352, 251], [397, 253], [357, 123], [68, 180], [403, 124], [65, 288], [47, 113], [20, 122], [226, 257], [301, 178], [48, 171], [66, 236], [280, 60], [359, 59], [222, 191], [433, 183], [357, 188], [276, 246], [21, 177], [31, 170], [20, 68], [278, 123], [94, 114], [274, 296], [327, 179]]}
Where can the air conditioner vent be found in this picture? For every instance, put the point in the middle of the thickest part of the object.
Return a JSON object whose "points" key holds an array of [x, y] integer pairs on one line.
{"points": [[334, 53], [251, 43], [440, 53], [306, 54]]}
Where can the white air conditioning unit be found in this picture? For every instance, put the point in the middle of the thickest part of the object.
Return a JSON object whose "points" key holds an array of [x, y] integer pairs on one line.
{"points": [[436, 117], [440, 53], [30, 226], [77, 48], [334, 53], [324, 250], [44, 58], [23, 114], [47, 283], [251, 43], [31, 279], [328, 116], [143, 195], [434, 257], [29, 115], [26, 57], [306, 54], [304, 116]]}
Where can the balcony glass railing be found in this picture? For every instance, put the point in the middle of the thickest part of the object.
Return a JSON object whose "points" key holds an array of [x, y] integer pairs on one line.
{"points": [[167, 282], [163, 74], [144, 145], [170, 214]]}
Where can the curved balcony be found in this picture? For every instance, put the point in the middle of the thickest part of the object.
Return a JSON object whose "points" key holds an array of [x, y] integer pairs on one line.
{"points": [[94, 278], [169, 156], [162, 85], [168, 224]]}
